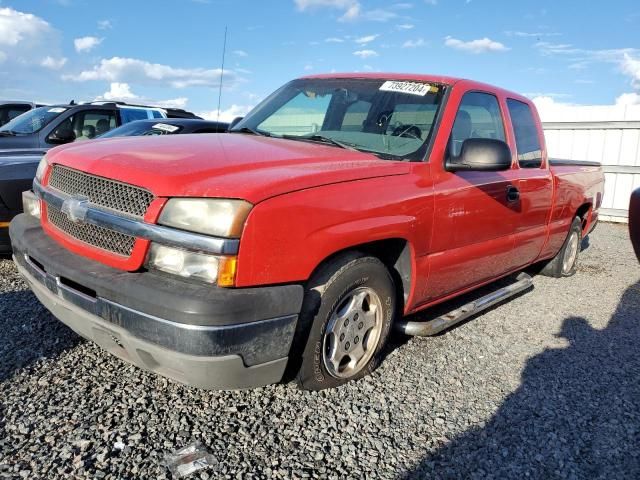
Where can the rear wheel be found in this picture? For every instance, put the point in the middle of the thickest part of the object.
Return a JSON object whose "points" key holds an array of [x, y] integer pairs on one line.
{"points": [[565, 263], [348, 310]]}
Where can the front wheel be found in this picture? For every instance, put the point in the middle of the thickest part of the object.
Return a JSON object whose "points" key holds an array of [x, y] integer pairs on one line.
{"points": [[348, 310], [565, 263]]}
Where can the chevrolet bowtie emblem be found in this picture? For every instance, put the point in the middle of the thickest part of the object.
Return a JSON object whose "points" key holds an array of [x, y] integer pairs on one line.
{"points": [[75, 208]]}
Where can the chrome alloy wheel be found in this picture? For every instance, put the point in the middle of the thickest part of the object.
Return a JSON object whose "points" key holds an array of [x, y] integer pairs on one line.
{"points": [[571, 252], [352, 333]]}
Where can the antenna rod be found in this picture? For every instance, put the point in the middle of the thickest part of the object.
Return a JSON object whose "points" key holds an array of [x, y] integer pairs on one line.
{"points": [[224, 51]]}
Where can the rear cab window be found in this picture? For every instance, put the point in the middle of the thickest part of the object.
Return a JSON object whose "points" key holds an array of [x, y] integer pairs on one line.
{"points": [[526, 133]]}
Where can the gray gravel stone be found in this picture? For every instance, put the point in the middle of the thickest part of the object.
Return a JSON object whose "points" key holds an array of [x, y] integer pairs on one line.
{"points": [[544, 386]]}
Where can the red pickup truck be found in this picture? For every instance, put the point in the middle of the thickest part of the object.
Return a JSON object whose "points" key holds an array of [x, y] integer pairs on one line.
{"points": [[293, 244]]}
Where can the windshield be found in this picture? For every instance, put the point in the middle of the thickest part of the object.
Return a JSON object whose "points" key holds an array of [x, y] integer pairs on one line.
{"points": [[32, 121], [142, 128], [393, 119]]}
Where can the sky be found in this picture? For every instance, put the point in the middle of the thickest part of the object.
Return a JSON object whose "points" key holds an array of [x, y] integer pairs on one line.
{"points": [[169, 52]]}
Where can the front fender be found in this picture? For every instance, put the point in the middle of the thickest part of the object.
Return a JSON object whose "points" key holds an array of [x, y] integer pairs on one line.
{"points": [[287, 237]]}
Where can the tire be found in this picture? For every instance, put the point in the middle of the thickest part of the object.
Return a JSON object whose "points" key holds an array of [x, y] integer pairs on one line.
{"points": [[346, 317], [565, 263]]}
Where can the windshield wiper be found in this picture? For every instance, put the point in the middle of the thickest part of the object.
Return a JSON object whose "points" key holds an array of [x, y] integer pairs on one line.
{"points": [[8, 133], [250, 130], [322, 139]]}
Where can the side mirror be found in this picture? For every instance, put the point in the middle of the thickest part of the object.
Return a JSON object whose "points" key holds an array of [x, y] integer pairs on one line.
{"points": [[481, 154], [61, 135], [234, 122]]}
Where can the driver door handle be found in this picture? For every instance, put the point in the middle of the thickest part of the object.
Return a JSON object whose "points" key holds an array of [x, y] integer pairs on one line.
{"points": [[513, 194]]}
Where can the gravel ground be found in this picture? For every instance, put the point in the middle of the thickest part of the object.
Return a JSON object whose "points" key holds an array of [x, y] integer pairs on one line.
{"points": [[544, 386]]}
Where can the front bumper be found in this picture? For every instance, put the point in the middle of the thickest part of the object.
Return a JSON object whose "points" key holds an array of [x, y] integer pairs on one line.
{"points": [[200, 335]]}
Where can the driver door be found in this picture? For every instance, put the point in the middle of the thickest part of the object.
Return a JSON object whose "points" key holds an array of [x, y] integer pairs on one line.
{"points": [[474, 220]]}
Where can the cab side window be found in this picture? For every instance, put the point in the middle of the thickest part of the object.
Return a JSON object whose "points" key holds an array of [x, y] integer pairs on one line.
{"points": [[526, 132], [88, 125], [84, 125], [478, 117]]}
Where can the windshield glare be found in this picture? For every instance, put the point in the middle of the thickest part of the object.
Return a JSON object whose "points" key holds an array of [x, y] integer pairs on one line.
{"points": [[142, 128], [393, 119], [33, 120]]}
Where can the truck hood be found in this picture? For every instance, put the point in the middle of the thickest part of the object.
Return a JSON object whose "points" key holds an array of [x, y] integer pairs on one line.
{"points": [[222, 165]]}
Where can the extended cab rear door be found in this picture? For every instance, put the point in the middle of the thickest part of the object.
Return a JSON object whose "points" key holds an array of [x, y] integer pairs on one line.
{"points": [[535, 182]]}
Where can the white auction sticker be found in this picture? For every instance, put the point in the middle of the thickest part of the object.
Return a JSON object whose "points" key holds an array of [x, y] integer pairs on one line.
{"points": [[56, 110], [410, 88], [166, 128]]}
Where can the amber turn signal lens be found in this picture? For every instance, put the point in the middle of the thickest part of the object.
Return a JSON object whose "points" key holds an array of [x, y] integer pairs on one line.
{"points": [[227, 267]]}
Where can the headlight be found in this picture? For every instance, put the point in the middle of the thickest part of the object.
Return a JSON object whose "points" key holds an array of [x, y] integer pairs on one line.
{"points": [[217, 217], [42, 167], [208, 268], [31, 204]]}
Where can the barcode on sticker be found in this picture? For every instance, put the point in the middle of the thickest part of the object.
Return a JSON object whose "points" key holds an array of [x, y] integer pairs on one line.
{"points": [[410, 88]]}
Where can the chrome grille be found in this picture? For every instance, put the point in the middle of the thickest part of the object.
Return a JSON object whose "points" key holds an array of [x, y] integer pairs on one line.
{"points": [[99, 237], [118, 196]]}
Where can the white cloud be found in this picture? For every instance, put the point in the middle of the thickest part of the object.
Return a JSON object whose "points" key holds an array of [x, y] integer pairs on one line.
{"points": [[482, 45], [122, 92], [26, 39], [333, 40], [378, 15], [365, 53], [119, 91], [626, 106], [18, 27], [105, 25], [54, 63], [627, 59], [120, 69], [86, 44], [414, 43], [366, 39], [405, 26], [308, 67], [351, 10], [352, 13], [631, 67], [240, 53], [628, 99], [228, 114], [431, 2], [516, 33]]}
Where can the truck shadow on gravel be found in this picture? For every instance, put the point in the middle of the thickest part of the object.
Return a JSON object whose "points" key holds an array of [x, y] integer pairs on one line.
{"points": [[576, 413], [29, 333]]}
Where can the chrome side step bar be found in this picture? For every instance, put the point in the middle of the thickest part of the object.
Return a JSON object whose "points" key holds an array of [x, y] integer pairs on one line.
{"points": [[438, 324]]}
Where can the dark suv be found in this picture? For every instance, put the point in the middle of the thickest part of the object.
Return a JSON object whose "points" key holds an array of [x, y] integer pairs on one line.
{"points": [[24, 140], [11, 109], [46, 127]]}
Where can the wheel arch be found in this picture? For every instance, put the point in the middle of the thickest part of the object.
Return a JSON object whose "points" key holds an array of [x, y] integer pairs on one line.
{"points": [[395, 253], [584, 214]]}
